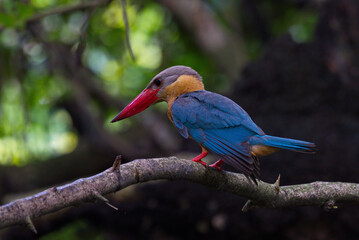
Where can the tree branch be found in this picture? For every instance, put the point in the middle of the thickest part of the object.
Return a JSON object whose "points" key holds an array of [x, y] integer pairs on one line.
{"points": [[324, 194]]}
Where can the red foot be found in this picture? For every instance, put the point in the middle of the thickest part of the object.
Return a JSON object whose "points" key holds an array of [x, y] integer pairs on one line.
{"points": [[199, 158], [217, 165]]}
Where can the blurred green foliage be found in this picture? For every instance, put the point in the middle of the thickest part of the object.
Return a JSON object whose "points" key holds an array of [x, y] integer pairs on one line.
{"points": [[279, 17], [77, 230], [286, 18], [34, 127]]}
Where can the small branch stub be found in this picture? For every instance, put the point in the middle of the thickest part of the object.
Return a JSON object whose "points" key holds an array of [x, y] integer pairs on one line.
{"points": [[30, 225], [98, 196], [329, 205], [116, 163], [54, 189], [248, 206], [277, 184]]}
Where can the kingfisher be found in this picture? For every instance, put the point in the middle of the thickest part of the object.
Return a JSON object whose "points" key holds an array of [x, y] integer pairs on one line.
{"points": [[214, 121]]}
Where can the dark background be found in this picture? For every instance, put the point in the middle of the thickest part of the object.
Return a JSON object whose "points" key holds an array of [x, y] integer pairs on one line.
{"points": [[293, 65]]}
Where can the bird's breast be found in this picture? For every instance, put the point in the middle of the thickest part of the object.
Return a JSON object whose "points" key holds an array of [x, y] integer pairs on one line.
{"points": [[169, 110]]}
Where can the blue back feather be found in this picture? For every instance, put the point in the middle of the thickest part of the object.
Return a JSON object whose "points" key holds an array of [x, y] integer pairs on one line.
{"points": [[218, 124]]}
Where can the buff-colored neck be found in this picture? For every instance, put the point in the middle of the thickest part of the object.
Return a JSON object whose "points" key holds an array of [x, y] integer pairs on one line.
{"points": [[184, 84]]}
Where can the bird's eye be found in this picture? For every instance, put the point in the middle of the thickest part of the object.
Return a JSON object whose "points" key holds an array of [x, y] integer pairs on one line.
{"points": [[157, 82]]}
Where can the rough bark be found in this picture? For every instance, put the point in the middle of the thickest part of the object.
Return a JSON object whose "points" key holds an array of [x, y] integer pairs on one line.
{"points": [[267, 195]]}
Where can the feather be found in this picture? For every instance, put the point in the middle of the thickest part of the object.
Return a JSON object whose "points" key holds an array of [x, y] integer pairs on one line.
{"points": [[282, 143], [219, 125]]}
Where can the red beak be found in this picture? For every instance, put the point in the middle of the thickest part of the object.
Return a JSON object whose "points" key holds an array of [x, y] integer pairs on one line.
{"points": [[140, 103]]}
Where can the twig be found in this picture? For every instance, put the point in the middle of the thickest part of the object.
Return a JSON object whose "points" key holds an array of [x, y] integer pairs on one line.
{"points": [[30, 224], [127, 29], [247, 206], [116, 163], [98, 196], [277, 184], [68, 9], [263, 195], [83, 35]]}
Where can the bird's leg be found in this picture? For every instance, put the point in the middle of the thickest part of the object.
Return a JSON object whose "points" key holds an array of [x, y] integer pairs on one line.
{"points": [[217, 164], [199, 157]]}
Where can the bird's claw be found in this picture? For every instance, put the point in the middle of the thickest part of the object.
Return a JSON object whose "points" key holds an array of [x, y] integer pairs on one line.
{"points": [[199, 161], [216, 167]]}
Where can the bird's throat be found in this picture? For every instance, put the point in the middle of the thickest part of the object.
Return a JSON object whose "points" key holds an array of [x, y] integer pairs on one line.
{"points": [[184, 84]]}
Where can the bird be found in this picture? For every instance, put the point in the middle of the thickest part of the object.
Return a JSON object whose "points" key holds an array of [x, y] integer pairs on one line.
{"points": [[215, 122]]}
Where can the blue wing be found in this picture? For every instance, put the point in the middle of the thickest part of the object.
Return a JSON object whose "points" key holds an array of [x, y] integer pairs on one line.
{"points": [[218, 124]]}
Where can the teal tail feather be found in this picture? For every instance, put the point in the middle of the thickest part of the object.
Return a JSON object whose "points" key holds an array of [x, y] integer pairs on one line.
{"points": [[283, 143]]}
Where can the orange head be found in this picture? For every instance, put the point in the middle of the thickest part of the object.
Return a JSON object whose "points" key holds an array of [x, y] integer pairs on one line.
{"points": [[165, 86]]}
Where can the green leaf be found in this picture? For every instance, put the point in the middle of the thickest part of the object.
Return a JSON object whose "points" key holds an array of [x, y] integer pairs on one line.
{"points": [[24, 11], [7, 20]]}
